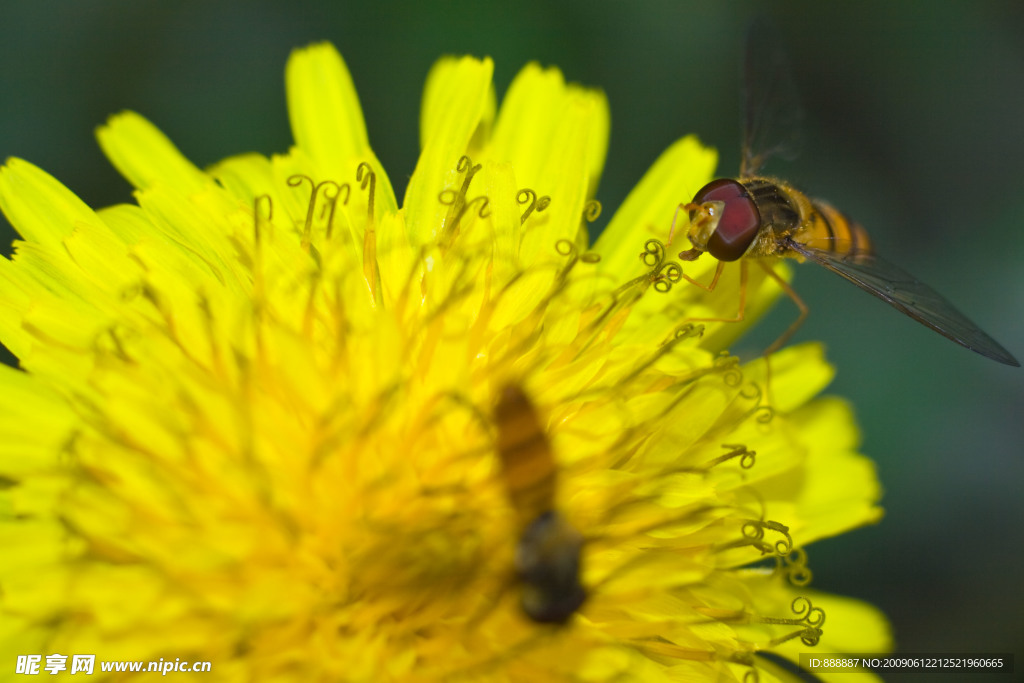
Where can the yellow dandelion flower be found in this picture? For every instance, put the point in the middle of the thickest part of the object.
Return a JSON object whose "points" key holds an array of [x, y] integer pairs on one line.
{"points": [[268, 419]]}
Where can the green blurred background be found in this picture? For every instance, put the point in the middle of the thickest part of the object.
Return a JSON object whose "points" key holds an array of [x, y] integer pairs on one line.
{"points": [[914, 125]]}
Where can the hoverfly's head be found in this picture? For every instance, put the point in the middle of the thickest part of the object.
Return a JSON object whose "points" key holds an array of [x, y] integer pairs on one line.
{"points": [[724, 221]]}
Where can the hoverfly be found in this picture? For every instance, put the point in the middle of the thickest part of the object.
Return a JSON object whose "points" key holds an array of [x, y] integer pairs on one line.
{"points": [[759, 218], [548, 552]]}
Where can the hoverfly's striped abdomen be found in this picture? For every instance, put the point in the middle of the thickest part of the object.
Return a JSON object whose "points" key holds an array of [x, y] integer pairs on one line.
{"points": [[830, 230]]}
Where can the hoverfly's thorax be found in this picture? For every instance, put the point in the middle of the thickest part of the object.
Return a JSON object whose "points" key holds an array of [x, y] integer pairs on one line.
{"points": [[781, 207]]}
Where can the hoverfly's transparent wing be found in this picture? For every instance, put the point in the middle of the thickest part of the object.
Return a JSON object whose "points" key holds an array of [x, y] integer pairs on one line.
{"points": [[910, 296], [771, 105]]}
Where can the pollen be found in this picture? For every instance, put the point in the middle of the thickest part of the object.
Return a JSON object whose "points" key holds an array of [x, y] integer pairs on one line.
{"points": [[259, 416]]}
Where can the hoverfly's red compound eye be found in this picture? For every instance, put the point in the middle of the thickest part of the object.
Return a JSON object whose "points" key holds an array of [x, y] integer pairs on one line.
{"points": [[740, 220]]}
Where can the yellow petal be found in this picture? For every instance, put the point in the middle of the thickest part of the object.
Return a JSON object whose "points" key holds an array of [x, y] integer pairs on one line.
{"points": [[555, 135], [327, 123], [34, 420], [798, 374], [129, 223], [455, 99], [144, 155], [198, 225], [565, 179], [245, 176], [840, 490], [323, 107], [499, 181], [454, 103], [535, 116], [15, 298], [39, 207]]}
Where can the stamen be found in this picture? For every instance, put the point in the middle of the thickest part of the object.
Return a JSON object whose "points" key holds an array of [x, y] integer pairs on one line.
{"points": [[477, 415], [747, 457], [256, 265], [663, 274], [794, 567], [753, 535], [451, 198], [689, 330], [756, 529], [295, 181], [456, 200], [332, 204], [653, 253], [663, 350], [560, 282], [163, 308], [460, 286], [371, 271], [211, 336], [808, 615], [627, 293], [256, 214], [482, 212], [539, 204], [591, 211], [752, 392], [115, 345], [366, 176], [809, 636], [728, 365], [567, 248], [309, 312]]}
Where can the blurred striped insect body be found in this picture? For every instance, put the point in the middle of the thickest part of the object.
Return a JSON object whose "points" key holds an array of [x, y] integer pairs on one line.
{"points": [[548, 551]]}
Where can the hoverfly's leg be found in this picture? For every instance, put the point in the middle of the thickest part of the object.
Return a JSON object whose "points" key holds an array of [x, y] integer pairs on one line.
{"points": [[777, 344], [714, 282], [672, 230], [689, 206], [790, 331]]}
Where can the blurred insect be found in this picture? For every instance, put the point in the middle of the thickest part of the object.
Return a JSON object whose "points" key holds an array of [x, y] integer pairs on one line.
{"points": [[548, 552], [758, 218]]}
